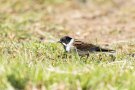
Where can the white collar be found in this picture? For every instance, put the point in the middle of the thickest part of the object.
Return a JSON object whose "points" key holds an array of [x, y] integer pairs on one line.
{"points": [[69, 45]]}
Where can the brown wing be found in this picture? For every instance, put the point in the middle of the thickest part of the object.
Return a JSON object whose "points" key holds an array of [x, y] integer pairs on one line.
{"points": [[89, 47], [84, 46]]}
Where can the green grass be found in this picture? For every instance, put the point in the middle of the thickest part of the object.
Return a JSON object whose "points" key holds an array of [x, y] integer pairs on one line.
{"points": [[28, 63], [22, 64]]}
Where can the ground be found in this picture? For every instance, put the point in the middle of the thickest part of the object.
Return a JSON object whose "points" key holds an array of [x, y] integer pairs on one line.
{"points": [[31, 58]]}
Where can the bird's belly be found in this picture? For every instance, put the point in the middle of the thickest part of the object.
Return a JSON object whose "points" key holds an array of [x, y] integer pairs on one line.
{"points": [[82, 53]]}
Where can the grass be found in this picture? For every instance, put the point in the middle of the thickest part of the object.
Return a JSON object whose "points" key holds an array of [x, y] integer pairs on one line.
{"points": [[34, 64], [31, 59]]}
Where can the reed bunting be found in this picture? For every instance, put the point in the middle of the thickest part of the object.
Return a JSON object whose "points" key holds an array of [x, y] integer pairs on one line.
{"points": [[80, 47]]}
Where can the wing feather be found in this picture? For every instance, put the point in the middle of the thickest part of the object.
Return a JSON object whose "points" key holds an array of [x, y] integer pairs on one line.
{"points": [[89, 47]]}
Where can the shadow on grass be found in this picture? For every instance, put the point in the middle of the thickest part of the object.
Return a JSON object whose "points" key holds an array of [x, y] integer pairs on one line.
{"points": [[17, 83]]}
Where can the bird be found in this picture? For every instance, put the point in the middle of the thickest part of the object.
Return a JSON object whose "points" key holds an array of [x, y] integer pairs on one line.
{"points": [[82, 48]]}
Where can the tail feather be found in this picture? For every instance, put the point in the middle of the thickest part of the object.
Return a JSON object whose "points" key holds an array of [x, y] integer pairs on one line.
{"points": [[104, 50]]}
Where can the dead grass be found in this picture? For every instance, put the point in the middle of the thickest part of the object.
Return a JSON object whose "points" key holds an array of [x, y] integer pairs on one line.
{"points": [[97, 22]]}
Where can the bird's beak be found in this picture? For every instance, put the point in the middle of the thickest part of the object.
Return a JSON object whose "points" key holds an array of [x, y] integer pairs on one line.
{"points": [[58, 41]]}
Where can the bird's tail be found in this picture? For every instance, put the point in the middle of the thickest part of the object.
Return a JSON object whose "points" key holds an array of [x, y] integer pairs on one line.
{"points": [[105, 50]]}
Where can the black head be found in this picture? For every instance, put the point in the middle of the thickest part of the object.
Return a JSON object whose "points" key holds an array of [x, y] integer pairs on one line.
{"points": [[65, 39]]}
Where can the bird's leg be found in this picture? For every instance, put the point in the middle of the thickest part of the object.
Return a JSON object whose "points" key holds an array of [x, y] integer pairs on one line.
{"points": [[76, 51], [87, 55]]}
